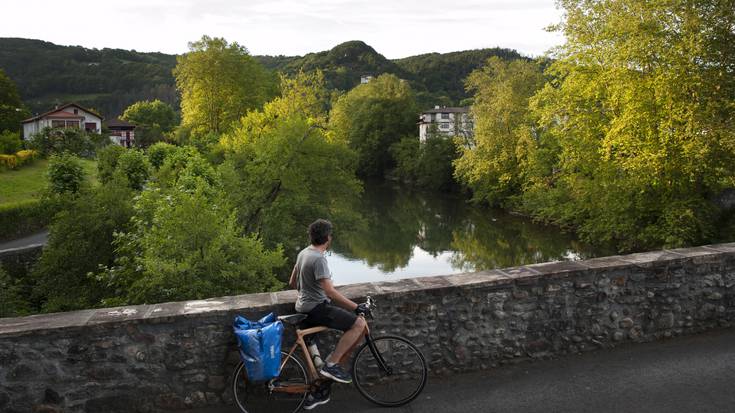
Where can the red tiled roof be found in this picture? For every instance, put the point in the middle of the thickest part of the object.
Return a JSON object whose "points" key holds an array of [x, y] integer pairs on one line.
{"points": [[62, 114], [61, 108]]}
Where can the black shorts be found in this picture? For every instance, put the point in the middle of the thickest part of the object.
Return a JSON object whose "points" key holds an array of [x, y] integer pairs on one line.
{"points": [[331, 316]]}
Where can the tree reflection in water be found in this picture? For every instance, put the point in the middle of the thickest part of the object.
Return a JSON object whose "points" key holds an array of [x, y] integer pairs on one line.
{"points": [[458, 236]]}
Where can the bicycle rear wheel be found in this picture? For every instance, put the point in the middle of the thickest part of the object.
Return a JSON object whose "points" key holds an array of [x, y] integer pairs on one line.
{"points": [[268, 396], [390, 374]]}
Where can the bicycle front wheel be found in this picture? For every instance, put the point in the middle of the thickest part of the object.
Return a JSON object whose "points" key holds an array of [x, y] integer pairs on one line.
{"points": [[391, 372], [271, 396]]}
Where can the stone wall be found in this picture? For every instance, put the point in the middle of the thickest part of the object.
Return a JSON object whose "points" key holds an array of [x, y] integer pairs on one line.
{"points": [[173, 356]]}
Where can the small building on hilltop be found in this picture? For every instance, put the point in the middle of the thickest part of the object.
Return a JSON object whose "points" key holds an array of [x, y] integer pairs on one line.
{"points": [[70, 115], [445, 121], [121, 132]]}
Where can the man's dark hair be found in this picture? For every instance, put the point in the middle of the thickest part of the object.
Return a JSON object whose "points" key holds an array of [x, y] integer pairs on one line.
{"points": [[319, 231]]}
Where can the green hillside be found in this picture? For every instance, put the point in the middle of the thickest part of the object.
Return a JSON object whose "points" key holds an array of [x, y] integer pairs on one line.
{"points": [[107, 80], [111, 79]]}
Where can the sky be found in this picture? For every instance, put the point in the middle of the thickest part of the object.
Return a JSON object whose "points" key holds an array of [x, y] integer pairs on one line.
{"points": [[395, 28]]}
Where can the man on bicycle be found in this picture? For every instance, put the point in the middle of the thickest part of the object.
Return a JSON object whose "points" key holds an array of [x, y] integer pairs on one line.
{"points": [[317, 298]]}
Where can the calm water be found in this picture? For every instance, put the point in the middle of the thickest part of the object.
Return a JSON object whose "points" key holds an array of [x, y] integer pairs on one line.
{"points": [[413, 234]]}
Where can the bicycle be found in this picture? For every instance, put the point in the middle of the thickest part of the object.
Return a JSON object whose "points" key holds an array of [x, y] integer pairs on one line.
{"points": [[388, 371]]}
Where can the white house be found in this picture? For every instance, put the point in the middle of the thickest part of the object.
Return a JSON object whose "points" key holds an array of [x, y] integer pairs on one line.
{"points": [[70, 115], [445, 122]]}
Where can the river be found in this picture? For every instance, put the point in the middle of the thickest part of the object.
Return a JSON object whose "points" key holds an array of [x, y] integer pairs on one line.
{"points": [[409, 234]]}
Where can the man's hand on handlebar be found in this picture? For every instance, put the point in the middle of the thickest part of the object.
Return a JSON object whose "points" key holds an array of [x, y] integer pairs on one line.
{"points": [[362, 309]]}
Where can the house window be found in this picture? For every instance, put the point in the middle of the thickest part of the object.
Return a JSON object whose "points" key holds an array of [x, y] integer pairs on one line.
{"points": [[445, 116], [90, 126], [76, 111], [64, 123], [444, 126]]}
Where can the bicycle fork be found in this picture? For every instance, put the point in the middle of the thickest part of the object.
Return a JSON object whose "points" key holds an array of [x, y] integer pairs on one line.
{"points": [[379, 357]]}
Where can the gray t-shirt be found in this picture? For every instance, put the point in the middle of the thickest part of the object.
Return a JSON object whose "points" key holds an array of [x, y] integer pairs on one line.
{"points": [[311, 267]]}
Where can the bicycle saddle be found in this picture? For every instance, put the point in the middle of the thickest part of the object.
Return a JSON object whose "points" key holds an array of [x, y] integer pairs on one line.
{"points": [[293, 319]]}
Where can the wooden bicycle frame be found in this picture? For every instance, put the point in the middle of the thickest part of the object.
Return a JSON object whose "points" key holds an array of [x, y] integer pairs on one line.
{"points": [[311, 369]]}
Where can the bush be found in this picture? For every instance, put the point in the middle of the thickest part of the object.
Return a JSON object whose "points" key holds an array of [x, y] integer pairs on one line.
{"points": [[10, 142], [8, 161], [76, 141], [21, 158], [134, 165], [11, 301], [65, 174], [107, 159], [158, 152], [26, 156], [80, 241]]}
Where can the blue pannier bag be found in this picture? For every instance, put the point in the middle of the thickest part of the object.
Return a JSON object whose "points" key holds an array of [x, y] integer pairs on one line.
{"points": [[260, 345]]}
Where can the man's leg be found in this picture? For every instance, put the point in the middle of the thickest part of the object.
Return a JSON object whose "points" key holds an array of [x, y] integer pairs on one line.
{"points": [[348, 340]]}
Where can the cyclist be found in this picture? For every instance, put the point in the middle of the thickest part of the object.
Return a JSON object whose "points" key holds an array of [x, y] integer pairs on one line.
{"points": [[317, 298]]}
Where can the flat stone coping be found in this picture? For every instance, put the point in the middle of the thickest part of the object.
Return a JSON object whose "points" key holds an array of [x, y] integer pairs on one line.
{"points": [[265, 301]]}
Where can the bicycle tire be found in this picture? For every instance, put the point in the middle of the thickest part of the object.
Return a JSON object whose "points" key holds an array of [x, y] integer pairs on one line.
{"points": [[256, 397], [400, 355]]}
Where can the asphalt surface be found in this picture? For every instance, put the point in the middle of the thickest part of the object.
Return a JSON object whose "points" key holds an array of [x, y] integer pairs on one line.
{"points": [[690, 374], [30, 241]]}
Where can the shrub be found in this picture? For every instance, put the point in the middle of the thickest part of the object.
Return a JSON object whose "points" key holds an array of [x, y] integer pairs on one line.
{"points": [[8, 161], [26, 156], [134, 165], [107, 159], [158, 152], [10, 142], [76, 141], [65, 174]]}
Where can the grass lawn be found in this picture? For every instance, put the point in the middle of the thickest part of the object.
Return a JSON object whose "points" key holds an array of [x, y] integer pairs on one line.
{"points": [[26, 183]]}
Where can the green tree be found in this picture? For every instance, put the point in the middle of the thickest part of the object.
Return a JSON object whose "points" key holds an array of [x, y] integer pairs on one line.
{"points": [[152, 119], [186, 244], [219, 82], [80, 241], [158, 152], [373, 116], [107, 162], [12, 109], [638, 121], [134, 166], [426, 165], [492, 161], [283, 169], [65, 174], [12, 302], [151, 113]]}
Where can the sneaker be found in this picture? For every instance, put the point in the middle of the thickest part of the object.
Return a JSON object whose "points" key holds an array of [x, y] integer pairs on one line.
{"points": [[316, 398], [335, 373]]}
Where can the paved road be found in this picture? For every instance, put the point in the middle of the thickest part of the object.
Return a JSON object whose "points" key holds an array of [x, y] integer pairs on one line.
{"points": [[34, 240], [691, 374]]}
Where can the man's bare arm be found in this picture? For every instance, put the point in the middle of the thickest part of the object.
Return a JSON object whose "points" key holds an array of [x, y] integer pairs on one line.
{"points": [[336, 296], [292, 280]]}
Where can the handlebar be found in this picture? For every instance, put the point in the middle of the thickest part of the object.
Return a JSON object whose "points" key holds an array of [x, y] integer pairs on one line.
{"points": [[370, 304]]}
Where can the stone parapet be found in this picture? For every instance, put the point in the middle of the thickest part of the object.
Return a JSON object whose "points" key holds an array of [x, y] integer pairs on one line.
{"points": [[173, 356]]}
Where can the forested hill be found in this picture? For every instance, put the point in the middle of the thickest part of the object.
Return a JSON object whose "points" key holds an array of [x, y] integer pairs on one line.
{"points": [[107, 80], [111, 79]]}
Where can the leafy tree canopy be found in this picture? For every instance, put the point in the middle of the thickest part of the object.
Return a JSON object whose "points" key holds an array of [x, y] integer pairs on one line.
{"points": [[12, 109], [283, 168], [373, 116], [219, 82]]}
